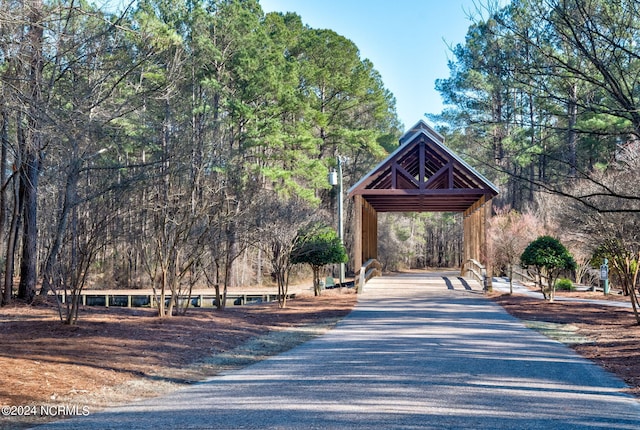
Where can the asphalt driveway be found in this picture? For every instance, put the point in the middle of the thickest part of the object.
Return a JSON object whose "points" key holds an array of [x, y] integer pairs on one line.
{"points": [[416, 353]]}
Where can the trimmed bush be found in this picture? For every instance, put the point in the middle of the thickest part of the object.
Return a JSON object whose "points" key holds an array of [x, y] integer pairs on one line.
{"points": [[564, 284], [548, 257]]}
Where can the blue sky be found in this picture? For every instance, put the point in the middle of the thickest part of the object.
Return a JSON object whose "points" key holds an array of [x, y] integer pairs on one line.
{"points": [[406, 40]]}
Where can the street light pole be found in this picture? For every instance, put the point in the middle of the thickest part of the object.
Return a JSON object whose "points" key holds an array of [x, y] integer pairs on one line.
{"points": [[340, 216], [335, 178]]}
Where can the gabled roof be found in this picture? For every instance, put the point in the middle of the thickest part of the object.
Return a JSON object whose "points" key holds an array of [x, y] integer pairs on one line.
{"points": [[423, 175]]}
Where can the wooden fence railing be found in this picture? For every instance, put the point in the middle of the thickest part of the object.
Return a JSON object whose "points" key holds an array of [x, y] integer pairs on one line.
{"points": [[474, 269], [368, 270], [140, 299]]}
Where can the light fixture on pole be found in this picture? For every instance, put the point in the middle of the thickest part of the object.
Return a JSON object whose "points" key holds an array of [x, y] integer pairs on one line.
{"points": [[333, 177]]}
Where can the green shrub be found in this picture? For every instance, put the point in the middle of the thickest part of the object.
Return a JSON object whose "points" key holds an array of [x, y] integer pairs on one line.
{"points": [[548, 257], [565, 284]]}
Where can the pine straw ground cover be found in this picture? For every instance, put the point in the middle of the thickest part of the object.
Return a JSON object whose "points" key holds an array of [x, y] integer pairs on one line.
{"points": [[117, 355]]}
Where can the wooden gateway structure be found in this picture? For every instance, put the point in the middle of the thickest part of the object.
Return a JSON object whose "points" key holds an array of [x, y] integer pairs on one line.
{"points": [[422, 175]]}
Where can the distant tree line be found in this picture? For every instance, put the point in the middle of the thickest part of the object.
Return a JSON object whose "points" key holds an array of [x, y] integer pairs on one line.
{"points": [[164, 144], [145, 146], [543, 93], [543, 98]]}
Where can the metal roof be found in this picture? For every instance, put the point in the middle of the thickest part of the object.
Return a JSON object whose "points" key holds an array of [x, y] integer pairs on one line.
{"points": [[423, 175]]}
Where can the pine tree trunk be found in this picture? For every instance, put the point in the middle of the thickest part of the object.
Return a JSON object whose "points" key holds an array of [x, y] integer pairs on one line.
{"points": [[68, 203], [28, 270], [573, 135], [11, 246], [4, 140], [30, 148]]}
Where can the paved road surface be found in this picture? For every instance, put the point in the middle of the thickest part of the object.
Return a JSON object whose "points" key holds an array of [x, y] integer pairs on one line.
{"points": [[502, 284], [416, 353]]}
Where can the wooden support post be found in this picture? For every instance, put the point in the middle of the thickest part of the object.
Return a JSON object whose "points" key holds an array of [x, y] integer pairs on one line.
{"points": [[487, 214], [365, 231], [356, 258], [474, 231], [365, 228], [369, 231]]}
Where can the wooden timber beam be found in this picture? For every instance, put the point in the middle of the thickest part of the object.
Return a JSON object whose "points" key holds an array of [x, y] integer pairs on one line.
{"points": [[365, 221]]}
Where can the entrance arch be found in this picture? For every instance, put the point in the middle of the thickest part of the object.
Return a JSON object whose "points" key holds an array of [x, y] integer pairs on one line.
{"points": [[422, 175]]}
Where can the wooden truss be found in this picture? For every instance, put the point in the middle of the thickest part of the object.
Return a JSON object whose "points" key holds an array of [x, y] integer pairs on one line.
{"points": [[422, 175]]}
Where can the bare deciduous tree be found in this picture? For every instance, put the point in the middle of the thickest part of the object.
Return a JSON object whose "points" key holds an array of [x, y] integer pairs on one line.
{"points": [[508, 234], [282, 224], [85, 238], [614, 234]]}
